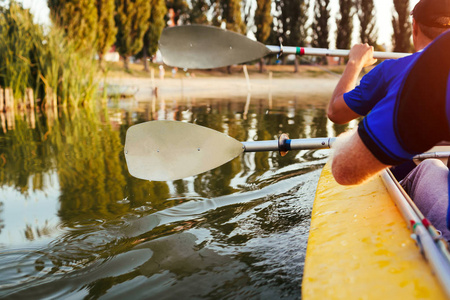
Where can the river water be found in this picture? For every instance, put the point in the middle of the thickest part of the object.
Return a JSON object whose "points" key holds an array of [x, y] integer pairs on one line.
{"points": [[74, 224]]}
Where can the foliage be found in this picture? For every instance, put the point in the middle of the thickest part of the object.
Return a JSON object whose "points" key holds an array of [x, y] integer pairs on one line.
{"points": [[132, 23], [197, 14], [231, 15], [345, 24], [291, 19], [320, 26], [366, 15], [263, 20], [151, 37], [47, 62], [106, 29], [78, 18], [15, 24], [289, 23], [401, 39]]}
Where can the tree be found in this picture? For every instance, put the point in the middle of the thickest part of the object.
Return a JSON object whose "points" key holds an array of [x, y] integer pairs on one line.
{"points": [[320, 25], [151, 37], [289, 24], [132, 23], [197, 14], [402, 26], [228, 12], [263, 23], [345, 24], [366, 16], [231, 15], [78, 18], [106, 30], [263, 20]]}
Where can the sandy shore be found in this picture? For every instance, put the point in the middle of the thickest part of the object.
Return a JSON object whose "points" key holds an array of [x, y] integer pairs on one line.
{"points": [[234, 86]]}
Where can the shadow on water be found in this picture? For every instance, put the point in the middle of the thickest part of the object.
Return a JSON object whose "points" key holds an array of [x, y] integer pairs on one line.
{"points": [[73, 222]]}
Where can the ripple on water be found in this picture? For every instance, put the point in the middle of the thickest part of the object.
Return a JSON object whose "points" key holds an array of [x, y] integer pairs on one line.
{"points": [[143, 208], [19, 267], [81, 225]]}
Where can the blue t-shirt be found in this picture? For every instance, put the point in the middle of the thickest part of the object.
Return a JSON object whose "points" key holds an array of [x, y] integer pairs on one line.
{"points": [[375, 85], [414, 113]]}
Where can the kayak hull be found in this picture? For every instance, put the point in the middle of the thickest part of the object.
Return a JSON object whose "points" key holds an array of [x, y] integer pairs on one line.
{"points": [[359, 247]]}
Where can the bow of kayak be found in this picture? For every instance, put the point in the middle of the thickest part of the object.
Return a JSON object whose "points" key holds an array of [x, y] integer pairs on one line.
{"points": [[359, 247]]}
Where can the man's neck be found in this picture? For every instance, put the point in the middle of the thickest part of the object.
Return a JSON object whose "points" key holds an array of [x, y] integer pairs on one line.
{"points": [[421, 42], [420, 47]]}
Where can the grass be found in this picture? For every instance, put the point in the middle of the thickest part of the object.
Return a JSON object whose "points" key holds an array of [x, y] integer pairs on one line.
{"points": [[43, 60]]}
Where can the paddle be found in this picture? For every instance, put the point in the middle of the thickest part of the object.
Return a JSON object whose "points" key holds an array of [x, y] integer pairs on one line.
{"points": [[170, 150], [207, 47]]}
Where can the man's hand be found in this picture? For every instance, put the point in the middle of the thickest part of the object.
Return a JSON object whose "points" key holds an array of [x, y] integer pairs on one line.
{"points": [[362, 55]]}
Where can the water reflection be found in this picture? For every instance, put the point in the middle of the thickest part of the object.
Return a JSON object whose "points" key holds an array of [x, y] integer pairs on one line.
{"points": [[74, 222]]}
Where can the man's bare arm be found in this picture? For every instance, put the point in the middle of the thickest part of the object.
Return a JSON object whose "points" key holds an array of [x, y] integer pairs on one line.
{"points": [[352, 162], [360, 56]]}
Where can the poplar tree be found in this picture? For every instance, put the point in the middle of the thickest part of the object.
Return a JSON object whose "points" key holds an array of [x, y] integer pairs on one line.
{"points": [[402, 26], [78, 18], [197, 14], [345, 24], [228, 12], [106, 30], [367, 19], [231, 15], [132, 23], [289, 24], [156, 25], [320, 26], [263, 23]]}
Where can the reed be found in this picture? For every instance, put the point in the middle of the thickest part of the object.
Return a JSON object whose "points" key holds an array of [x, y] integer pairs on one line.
{"points": [[43, 59]]}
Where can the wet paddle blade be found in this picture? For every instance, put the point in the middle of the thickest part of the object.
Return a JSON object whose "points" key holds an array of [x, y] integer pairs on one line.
{"points": [[207, 47], [170, 150]]}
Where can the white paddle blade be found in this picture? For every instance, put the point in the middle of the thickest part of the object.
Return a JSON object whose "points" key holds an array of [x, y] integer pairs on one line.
{"points": [[170, 150], [207, 47]]}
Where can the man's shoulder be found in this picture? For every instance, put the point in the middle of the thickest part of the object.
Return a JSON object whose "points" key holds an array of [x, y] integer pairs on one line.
{"points": [[399, 62], [391, 69]]}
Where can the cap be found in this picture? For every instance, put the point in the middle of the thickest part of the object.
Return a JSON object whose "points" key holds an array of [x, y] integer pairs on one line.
{"points": [[433, 13]]}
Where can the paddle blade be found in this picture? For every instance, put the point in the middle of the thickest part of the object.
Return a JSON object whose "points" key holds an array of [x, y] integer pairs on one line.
{"points": [[207, 47], [170, 150]]}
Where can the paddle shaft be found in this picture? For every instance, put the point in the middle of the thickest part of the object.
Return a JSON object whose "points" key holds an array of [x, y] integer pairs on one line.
{"points": [[443, 154], [329, 52], [289, 144]]}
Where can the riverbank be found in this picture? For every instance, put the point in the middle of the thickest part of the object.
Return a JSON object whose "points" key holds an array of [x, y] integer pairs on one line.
{"points": [[309, 82]]}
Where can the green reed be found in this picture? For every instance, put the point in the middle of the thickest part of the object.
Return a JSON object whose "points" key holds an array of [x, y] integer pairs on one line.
{"points": [[43, 59]]}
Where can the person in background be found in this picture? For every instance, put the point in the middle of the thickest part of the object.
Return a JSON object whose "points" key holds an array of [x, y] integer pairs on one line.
{"points": [[162, 72], [411, 118]]}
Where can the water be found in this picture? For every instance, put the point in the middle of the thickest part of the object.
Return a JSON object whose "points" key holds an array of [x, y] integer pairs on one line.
{"points": [[74, 224]]}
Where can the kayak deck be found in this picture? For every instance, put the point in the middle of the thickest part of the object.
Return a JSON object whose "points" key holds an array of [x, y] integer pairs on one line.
{"points": [[359, 247]]}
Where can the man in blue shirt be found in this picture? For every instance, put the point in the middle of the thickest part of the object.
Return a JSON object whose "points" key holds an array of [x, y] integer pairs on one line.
{"points": [[408, 101], [417, 118], [430, 19]]}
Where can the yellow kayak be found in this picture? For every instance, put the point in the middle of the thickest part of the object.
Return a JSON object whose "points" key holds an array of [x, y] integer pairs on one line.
{"points": [[359, 247]]}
